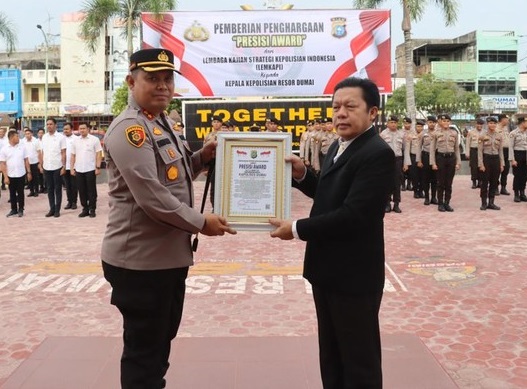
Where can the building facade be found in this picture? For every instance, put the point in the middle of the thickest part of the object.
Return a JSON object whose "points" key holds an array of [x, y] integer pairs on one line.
{"points": [[485, 62]]}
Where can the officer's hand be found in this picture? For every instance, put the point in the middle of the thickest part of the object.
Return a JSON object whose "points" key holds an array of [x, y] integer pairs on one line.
{"points": [[216, 225], [62, 171], [208, 151], [501, 169], [6, 180], [299, 169], [419, 164], [29, 176], [284, 229], [434, 167], [514, 163], [405, 168], [458, 166], [482, 168]]}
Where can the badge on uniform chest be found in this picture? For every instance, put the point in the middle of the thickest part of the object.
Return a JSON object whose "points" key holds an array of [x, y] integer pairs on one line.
{"points": [[172, 173]]}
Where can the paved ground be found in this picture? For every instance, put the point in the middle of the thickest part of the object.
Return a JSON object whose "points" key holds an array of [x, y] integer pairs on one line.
{"points": [[455, 280]]}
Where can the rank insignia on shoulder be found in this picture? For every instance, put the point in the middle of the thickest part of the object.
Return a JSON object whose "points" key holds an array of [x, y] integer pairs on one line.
{"points": [[135, 135], [171, 153], [148, 115], [172, 173], [157, 131]]}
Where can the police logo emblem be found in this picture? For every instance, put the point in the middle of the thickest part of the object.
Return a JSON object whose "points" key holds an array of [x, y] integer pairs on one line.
{"points": [[172, 173], [338, 27], [196, 32], [135, 135], [254, 154], [157, 131]]}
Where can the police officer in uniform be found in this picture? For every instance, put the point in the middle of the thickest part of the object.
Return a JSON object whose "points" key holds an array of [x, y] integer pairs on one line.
{"points": [[471, 152], [423, 161], [446, 160], [147, 250], [518, 159], [411, 149], [406, 183], [395, 139], [503, 127], [490, 162]]}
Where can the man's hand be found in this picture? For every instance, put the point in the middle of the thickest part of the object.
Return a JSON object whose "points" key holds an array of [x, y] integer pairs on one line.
{"points": [[434, 167], [29, 176], [482, 168], [514, 163], [405, 168], [419, 164], [298, 167], [6, 179], [458, 166], [216, 225], [73, 172], [63, 171], [208, 151], [284, 229]]}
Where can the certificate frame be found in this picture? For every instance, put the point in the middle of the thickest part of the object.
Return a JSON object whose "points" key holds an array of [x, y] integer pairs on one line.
{"points": [[252, 179]]}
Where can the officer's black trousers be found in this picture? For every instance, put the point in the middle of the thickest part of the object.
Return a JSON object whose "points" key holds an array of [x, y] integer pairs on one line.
{"points": [[490, 176], [506, 167], [33, 184], [520, 171], [151, 303], [16, 193], [70, 183], [446, 169], [473, 163], [397, 176], [429, 175], [416, 173]]}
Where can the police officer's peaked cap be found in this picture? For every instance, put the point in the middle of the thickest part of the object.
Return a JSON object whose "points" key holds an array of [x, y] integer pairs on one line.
{"points": [[502, 116], [491, 119], [480, 121], [327, 120], [431, 118], [393, 118], [254, 127], [153, 60], [444, 116], [216, 118], [521, 119], [421, 122], [407, 120], [272, 119], [310, 122]]}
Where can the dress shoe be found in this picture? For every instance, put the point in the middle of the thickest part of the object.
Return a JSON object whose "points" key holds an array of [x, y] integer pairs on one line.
{"points": [[496, 192], [504, 191], [56, 214], [31, 195], [523, 197], [396, 208], [483, 205], [448, 208], [403, 188], [12, 213], [388, 208], [68, 206], [92, 213], [84, 213], [427, 201], [517, 196], [73, 205], [50, 213], [20, 213], [474, 186], [434, 201], [492, 205], [409, 186], [416, 195], [441, 208]]}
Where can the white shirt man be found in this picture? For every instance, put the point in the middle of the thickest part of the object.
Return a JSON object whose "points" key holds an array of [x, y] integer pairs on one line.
{"points": [[86, 157]]}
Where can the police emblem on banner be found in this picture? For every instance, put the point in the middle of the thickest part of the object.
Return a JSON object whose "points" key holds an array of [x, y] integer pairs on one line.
{"points": [[196, 32], [338, 27], [135, 135], [254, 154]]}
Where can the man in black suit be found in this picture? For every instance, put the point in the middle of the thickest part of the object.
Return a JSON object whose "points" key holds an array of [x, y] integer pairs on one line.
{"points": [[344, 259]]}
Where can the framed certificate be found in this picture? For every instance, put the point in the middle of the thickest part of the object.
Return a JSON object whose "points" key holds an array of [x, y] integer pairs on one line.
{"points": [[253, 182]]}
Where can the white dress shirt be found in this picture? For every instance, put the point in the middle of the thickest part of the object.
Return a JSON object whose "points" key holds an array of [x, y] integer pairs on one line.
{"points": [[69, 141], [32, 148], [14, 157], [85, 150], [51, 146]]}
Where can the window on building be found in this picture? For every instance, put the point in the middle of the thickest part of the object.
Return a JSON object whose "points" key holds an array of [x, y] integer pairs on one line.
{"points": [[107, 45], [498, 56], [34, 95], [523, 94], [12, 96], [467, 86], [107, 81], [54, 94], [497, 87]]}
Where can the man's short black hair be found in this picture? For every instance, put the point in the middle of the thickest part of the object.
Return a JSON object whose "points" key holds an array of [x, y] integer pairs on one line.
{"points": [[11, 133], [370, 92], [52, 119]]}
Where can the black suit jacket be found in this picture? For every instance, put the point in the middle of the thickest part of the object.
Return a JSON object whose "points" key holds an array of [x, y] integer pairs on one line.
{"points": [[345, 230]]}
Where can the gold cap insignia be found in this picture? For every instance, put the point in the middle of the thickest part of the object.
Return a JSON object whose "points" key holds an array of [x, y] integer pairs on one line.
{"points": [[163, 57], [172, 173], [157, 131]]}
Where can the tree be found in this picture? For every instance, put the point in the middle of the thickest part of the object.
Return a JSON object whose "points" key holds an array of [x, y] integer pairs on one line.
{"points": [[99, 12], [433, 96], [7, 33], [413, 11]]}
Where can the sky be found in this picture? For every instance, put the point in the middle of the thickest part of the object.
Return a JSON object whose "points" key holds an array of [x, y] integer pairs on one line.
{"points": [[472, 15]]}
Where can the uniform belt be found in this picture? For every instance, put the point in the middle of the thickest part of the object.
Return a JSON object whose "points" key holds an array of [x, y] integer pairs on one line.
{"points": [[491, 155], [445, 155], [401, 157], [426, 152]]}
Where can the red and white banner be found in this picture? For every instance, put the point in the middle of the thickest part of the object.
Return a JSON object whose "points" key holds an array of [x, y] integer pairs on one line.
{"points": [[272, 52]]}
